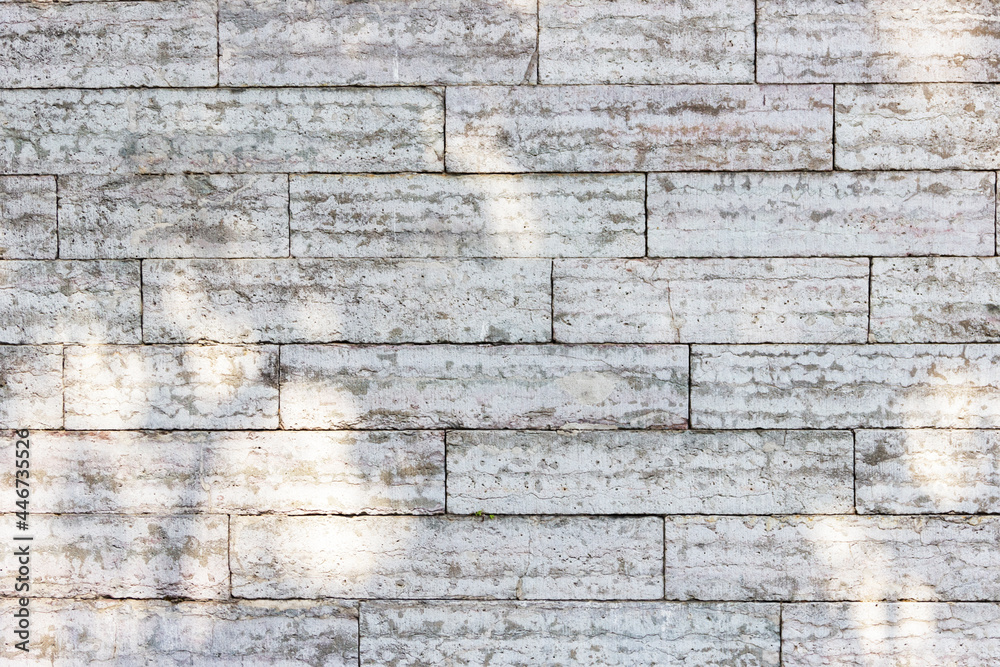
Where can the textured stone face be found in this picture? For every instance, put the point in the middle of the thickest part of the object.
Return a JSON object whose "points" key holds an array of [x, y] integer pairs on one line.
{"points": [[69, 302], [816, 214], [939, 299], [877, 41], [638, 41], [624, 128], [220, 130], [655, 472], [710, 300], [28, 217], [928, 471], [560, 633], [431, 215], [447, 386], [430, 557], [357, 300], [139, 632], [248, 472], [171, 386], [336, 42], [832, 558], [846, 386], [931, 126], [85, 556], [31, 386], [219, 215]]}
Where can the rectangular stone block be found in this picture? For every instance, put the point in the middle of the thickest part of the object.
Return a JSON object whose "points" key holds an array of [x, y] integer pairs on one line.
{"points": [[107, 44], [710, 300], [28, 217], [357, 300], [635, 41], [87, 556], [650, 472], [248, 472], [432, 215], [637, 128], [338, 42], [923, 471], [877, 41], [509, 386], [861, 634], [70, 302], [171, 386], [261, 130], [846, 386], [437, 557], [190, 215], [31, 386], [820, 214], [832, 558], [140, 632], [941, 299], [930, 126], [567, 633]]}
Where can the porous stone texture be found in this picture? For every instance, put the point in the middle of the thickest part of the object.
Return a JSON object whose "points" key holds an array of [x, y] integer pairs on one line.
{"points": [[336, 42], [636, 41], [435, 557], [515, 386], [185, 215], [654, 472], [356, 300], [31, 386], [846, 386], [948, 300], [564, 633], [810, 214], [638, 128], [710, 300], [432, 215], [831, 558], [231, 634], [243, 472], [920, 471], [28, 217]]}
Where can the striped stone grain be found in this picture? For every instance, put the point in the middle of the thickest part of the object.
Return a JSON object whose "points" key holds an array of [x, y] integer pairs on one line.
{"points": [[31, 386], [28, 217]]}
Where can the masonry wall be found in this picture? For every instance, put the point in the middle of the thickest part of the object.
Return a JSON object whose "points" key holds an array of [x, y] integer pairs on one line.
{"points": [[468, 332]]}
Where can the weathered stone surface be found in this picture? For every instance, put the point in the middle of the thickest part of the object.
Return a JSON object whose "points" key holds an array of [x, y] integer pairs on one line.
{"points": [[357, 300], [69, 302], [832, 558], [432, 215], [436, 557], [650, 472], [636, 41], [84, 556], [249, 472], [930, 126], [636, 128], [928, 471], [107, 44], [232, 634], [221, 130], [28, 217], [820, 214], [566, 633], [846, 386], [710, 300], [218, 215], [171, 386], [877, 41], [511, 386], [31, 386], [333, 42], [910, 634], [941, 299]]}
